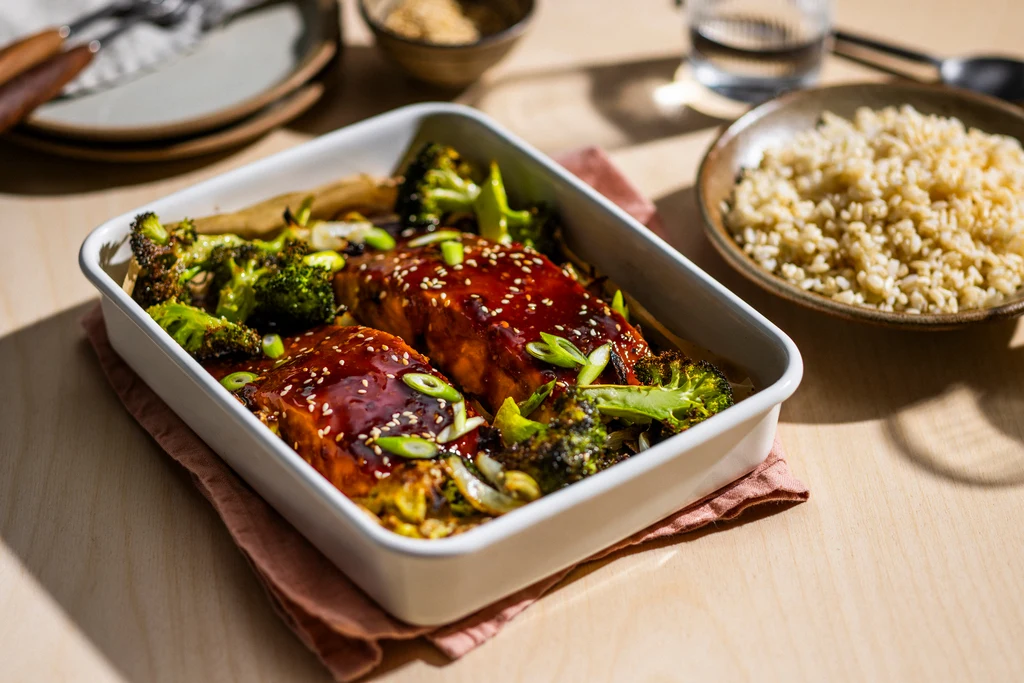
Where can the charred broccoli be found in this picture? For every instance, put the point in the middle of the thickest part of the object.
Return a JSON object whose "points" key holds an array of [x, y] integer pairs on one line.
{"points": [[202, 335], [293, 296], [168, 258], [437, 183], [569, 448], [237, 295], [677, 392]]}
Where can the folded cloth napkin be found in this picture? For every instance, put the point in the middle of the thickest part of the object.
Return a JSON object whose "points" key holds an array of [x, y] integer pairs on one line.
{"points": [[140, 48], [332, 616]]}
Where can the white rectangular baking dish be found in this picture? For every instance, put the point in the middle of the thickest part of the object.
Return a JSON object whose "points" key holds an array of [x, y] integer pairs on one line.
{"points": [[412, 578]]}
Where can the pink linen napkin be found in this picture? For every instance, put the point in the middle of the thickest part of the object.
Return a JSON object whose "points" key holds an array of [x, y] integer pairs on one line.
{"points": [[333, 617]]}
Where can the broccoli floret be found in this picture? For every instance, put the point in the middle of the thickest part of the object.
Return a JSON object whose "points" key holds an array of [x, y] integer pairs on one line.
{"points": [[237, 298], [677, 392], [202, 335], [288, 244], [169, 258], [539, 230], [162, 275], [572, 446], [294, 296], [437, 183], [495, 219]]}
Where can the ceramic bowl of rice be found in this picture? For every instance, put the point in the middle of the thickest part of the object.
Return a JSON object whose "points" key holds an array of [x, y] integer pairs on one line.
{"points": [[895, 204]]}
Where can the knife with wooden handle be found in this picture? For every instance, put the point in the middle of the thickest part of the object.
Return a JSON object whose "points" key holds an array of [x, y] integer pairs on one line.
{"points": [[26, 53], [41, 83]]}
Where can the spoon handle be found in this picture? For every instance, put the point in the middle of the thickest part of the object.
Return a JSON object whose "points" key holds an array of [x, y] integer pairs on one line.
{"points": [[887, 48]]}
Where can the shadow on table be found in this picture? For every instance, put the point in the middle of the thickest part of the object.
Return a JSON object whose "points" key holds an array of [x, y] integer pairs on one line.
{"points": [[363, 84], [36, 173], [937, 393], [633, 103], [101, 520], [403, 653]]}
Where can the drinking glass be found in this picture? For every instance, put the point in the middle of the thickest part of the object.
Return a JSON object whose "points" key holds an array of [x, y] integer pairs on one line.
{"points": [[752, 50]]}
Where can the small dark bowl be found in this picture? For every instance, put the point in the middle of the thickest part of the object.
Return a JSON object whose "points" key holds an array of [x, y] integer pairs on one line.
{"points": [[777, 121], [449, 66]]}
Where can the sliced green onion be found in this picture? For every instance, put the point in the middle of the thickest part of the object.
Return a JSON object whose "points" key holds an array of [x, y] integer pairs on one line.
{"points": [[484, 498], [378, 238], [331, 260], [305, 209], [557, 351], [521, 486], [237, 380], [460, 425], [431, 386], [531, 404], [619, 305], [408, 446], [514, 483], [596, 363], [431, 237], [273, 347], [562, 343], [452, 252]]}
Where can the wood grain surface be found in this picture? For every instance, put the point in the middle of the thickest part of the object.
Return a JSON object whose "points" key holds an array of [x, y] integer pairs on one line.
{"points": [[907, 564]]}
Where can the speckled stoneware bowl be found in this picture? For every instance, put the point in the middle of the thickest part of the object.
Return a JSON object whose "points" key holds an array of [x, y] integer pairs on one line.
{"points": [[777, 121], [449, 66]]}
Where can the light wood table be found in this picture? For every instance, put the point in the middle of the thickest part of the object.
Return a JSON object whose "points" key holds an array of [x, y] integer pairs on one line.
{"points": [[907, 563]]}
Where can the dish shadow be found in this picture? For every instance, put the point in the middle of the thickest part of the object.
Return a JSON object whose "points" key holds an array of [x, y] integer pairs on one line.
{"points": [[886, 374], [398, 654], [357, 72], [36, 173], [623, 94], [82, 522]]}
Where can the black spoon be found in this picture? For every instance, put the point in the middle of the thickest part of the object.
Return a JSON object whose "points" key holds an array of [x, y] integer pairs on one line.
{"points": [[1001, 77]]}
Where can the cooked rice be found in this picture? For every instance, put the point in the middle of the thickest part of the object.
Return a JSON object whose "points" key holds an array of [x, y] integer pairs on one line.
{"points": [[895, 210]]}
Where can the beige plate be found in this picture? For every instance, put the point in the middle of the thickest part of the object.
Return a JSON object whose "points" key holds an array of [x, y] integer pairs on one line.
{"points": [[742, 144], [244, 131], [237, 70]]}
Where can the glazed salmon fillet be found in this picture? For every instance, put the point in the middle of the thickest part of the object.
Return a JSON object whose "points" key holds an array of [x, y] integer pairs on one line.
{"points": [[475, 319], [335, 391]]}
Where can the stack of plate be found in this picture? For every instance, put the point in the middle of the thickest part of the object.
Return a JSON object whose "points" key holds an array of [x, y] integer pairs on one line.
{"points": [[245, 79]]}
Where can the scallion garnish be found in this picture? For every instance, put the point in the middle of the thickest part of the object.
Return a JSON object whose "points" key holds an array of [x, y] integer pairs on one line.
{"points": [[460, 425], [432, 237], [273, 347], [619, 305], [305, 209], [431, 386], [378, 238], [408, 446], [331, 260], [596, 363], [531, 404], [237, 380], [452, 252], [557, 351]]}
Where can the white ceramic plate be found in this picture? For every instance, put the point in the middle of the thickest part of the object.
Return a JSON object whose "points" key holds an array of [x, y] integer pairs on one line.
{"points": [[437, 581], [238, 69]]}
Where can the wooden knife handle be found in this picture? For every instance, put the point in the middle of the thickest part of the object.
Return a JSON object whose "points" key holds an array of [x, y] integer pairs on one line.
{"points": [[41, 83], [27, 52]]}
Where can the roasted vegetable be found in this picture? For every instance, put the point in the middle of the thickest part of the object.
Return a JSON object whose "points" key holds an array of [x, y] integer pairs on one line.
{"points": [[569, 448], [169, 258], [202, 335], [292, 297], [436, 184], [677, 392], [237, 297]]}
